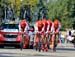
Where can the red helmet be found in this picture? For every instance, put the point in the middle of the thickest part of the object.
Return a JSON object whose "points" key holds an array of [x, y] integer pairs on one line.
{"points": [[56, 22], [49, 21], [39, 23], [22, 23], [44, 21]]}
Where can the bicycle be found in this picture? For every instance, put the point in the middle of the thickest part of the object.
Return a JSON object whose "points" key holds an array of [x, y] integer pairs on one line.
{"points": [[38, 44], [45, 41], [55, 42], [22, 40]]}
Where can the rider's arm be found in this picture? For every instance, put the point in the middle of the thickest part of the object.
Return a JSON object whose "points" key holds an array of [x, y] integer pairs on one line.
{"points": [[59, 27], [26, 28], [19, 28], [36, 28], [52, 28], [48, 26], [42, 31]]}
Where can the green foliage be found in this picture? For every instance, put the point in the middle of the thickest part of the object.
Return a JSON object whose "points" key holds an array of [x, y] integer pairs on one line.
{"points": [[64, 10]]}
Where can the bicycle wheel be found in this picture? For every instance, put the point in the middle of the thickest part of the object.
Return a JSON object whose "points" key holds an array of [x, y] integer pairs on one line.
{"points": [[39, 46], [39, 43], [54, 46], [36, 47], [21, 45], [22, 42]]}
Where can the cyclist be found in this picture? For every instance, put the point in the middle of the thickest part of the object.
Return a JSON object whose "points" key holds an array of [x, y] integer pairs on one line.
{"points": [[49, 29], [45, 39], [56, 28], [38, 26], [23, 27]]}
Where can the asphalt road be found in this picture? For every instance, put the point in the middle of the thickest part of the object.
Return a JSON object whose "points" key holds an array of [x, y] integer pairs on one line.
{"points": [[62, 51]]}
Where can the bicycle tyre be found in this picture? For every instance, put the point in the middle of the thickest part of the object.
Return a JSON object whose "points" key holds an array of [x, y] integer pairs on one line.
{"points": [[21, 45], [39, 46], [21, 42], [36, 47], [54, 46]]}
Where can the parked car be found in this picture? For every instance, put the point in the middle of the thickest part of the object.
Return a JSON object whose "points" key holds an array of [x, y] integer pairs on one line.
{"points": [[9, 35]]}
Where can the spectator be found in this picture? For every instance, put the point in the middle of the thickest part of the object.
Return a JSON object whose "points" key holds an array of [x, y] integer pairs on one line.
{"points": [[68, 35]]}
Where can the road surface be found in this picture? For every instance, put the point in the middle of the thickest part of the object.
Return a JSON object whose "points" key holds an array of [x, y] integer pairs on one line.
{"points": [[62, 51]]}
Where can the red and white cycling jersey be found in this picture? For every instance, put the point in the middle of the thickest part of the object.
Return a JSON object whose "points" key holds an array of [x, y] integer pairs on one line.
{"points": [[46, 25], [38, 28], [50, 25], [56, 26], [25, 26]]}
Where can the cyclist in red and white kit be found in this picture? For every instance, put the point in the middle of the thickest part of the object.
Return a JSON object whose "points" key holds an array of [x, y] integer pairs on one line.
{"points": [[49, 30], [39, 29], [47, 27], [56, 28], [23, 27]]}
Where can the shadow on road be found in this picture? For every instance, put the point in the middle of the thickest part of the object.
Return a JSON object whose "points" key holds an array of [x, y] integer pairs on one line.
{"points": [[66, 49], [58, 48]]}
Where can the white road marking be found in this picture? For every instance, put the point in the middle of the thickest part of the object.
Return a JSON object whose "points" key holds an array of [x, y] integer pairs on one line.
{"points": [[12, 55]]}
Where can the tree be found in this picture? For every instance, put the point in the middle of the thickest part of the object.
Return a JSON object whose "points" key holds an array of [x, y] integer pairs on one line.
{"points": [[64, 10]]}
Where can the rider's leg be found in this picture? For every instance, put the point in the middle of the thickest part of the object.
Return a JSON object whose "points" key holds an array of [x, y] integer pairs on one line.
{"points": [[49, 40], [27, 41], [42, 42], [57, 37], [58, 41], [52, 44], [24, 40], [46, 42], [35, 39]]}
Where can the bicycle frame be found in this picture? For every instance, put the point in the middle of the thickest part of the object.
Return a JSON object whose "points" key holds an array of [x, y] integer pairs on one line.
{"points": [[22, 40], [55, 42], [38, 46]]}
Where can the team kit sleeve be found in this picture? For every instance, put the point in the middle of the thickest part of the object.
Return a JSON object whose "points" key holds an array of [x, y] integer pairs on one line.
{"points": [[59, 27], [36, 28], [48, 27], [52, 28], [19, 28], [27, 28]]}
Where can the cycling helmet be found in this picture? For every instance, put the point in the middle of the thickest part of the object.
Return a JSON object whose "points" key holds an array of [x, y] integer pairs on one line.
{"points": [[56, 22], [44, 21], [39, 23], [22, 23]]}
